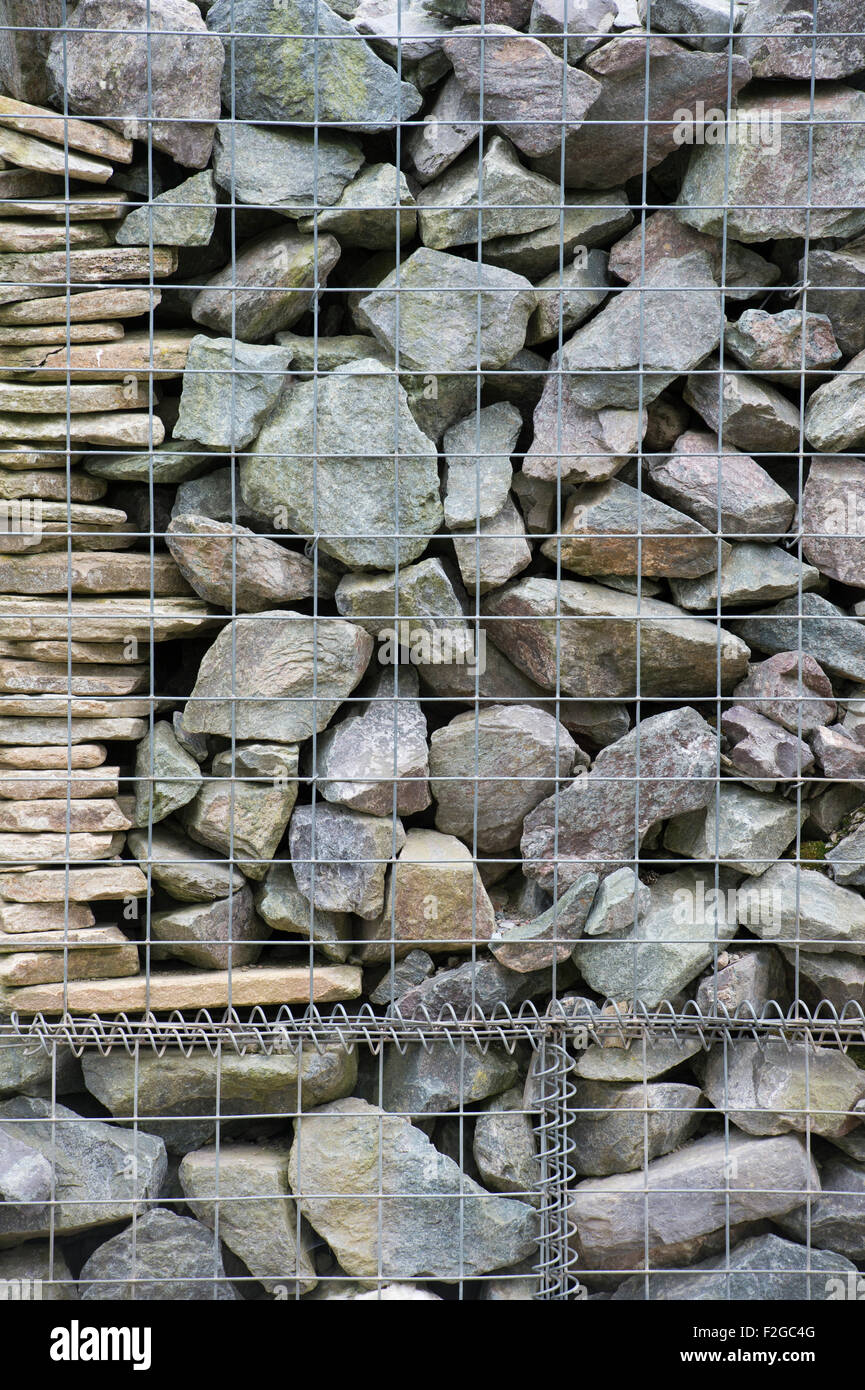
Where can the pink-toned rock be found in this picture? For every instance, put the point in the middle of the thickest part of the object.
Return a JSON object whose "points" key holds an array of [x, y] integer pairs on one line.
{"points": [[760, 748], [840, 756], [698, 478], [792, 689]]}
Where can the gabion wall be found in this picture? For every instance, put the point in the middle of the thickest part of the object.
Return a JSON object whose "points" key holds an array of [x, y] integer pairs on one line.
{"points": [[432, 680]]}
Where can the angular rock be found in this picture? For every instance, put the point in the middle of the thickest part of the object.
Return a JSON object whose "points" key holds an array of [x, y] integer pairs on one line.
{"points": [[741, 828], [835, 282], [825, 631], [376, 760], [436, 900], [763, 1268], [577, 21], [550, 938], [449, 128], [768, 1087], [376, 210], [596, 823], [777, 41], [235, 568], [525, 87], [788, 168], [704, 24], [755, 417], [429, 1080], [635, 1062], [229, 390], [585, 220], [161, 1256], [495, 552], [355, 1149], [185, 870], [181, 1090], [619, 1128], [598, 525], [478, 452], [847, 858], [95, 1181], [832, 499], [247, 1185], [283, 168], [834, 418], [750, 574], [282, 906], [744, 985], [166, 776], [505, 1148], [357, 424], [575, 443], [38, 1265], [182, 216], [464, 989], [245, 815], [453, 210], [219, 935], [453, 315], [758, 747], [790, 688], [834, 1221], [340, 857], [678, 1208], [489, 769], [838, 755], [661, 235], [596, 657], [270, 284], [353, 87], [771, 344], [277, 653], [804, 906], [406, 974], [568, 296], [620, 902]]}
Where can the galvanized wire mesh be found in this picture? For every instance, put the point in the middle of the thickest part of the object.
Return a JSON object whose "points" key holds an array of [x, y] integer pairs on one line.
{"points": [[337, 1004]]}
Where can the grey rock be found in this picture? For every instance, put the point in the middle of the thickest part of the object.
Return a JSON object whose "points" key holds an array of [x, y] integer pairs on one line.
{"points": [[96, 1180], [836, 977], [804, 906], [762, 1268], [505, 1148], [377, 760], [778, 42], [174, 462], [597, 657], [181, 1090], [832, 499], [405, 975], [375, 210], [618, 1128], [835, 282], [754, 416], [490, 768], [185, 870], [495, 552], [751, 574], [229, 390], [756, 184], [355, 1149], [635, 1061], [585, 220], [744, 984], [550, 938], [479, 985], [25, 1177], [159, 65], [220, 935], [347, 421], [771, 344], [661, 235], [620, 902], [289, 170], [247, 1185], [217, 497], [476, 199], [449, 128], [575, 443], [526, 88], [678, 1208], [668, 947], [792, 689], [182, 216], [235, 568], [427, 1080], [276, 653], [166, 777], [269, 285], [702, 24], [282, 906], [41, 1267], [584, 23], [351, 853], [834, 1221], [834, 418], [640, 342], [770, 1087], [742, 828], [243, 813], [161, 1256], [353, 87], [758, 747], [453, 314], [838, 755], [602, 518], [608, 149], [595, 824], [568, 296], [478, 453], [700, 479], [31, 1071], [847, 858], [826, 632], [408, 36]]}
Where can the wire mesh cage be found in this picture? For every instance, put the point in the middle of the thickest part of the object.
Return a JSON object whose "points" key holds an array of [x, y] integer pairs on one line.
{"points": [[432, 682]]}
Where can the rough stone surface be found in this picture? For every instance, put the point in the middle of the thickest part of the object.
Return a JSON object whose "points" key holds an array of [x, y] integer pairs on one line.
{"points": [[163, 1256]]}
